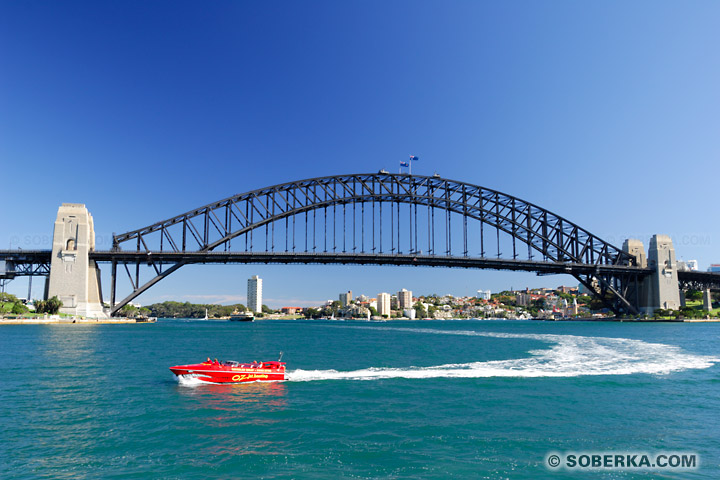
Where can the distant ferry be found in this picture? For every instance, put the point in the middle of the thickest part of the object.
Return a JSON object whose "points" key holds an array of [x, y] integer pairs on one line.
{"points": [[242, 317]]}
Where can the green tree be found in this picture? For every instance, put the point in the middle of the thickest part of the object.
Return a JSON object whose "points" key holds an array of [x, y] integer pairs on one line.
{"points": [[39, 306], [585, 299], [18, 308], [51, 306], [266, 309], [129, 310], [596, 304], [690, 312], [506, 299], [8, 297], [539, 304], [336, 306], [563, 295], [420, 310], [693, 295], [54, 305]]}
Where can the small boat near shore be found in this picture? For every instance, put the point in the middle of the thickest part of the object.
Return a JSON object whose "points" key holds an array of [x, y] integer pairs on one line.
{"points": [[213, 371]]}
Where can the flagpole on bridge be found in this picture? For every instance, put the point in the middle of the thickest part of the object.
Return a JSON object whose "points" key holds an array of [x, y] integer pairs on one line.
{"points": [[412, 158]]}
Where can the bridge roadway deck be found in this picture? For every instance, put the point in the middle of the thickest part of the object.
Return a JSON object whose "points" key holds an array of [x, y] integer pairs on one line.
{"points": [[362, 259], [692, 279], [24, 256]]}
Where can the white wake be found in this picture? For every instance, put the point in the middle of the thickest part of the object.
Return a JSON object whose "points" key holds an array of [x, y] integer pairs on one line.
{"points": [[567, 356], [191, 381]]}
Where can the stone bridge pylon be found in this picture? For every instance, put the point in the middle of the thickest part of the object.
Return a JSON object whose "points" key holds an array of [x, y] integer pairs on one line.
{"points": [[660, 289], [74, 276]]}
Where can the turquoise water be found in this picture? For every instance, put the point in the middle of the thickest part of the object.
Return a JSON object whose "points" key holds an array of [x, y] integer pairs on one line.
{"points": [[453, 399]]}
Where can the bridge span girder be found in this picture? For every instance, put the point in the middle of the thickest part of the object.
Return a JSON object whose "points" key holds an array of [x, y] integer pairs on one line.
{"points": [[430, 217]]}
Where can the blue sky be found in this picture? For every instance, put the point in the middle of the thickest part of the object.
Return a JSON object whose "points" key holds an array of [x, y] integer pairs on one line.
{"points": [[605, 113]]}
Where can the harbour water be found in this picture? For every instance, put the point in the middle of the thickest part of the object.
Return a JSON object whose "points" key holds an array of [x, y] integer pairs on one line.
{"points": [[427, 399]]}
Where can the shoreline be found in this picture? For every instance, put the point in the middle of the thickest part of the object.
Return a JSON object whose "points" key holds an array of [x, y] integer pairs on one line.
{"points": [[631, 320], [106, 321], [68, 321]]}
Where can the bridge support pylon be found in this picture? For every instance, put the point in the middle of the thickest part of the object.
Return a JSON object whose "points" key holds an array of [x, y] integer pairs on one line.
{"points": [[74, 277], [661, 288], [707, 300]]}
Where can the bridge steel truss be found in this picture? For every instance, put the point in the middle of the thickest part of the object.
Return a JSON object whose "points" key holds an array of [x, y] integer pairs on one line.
{"points": [[344, 219], [695, 280], [24, 263]]}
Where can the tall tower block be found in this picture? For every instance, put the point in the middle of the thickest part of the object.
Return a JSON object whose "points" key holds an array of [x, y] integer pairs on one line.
{"points": [[74, 278], [255, 293]]}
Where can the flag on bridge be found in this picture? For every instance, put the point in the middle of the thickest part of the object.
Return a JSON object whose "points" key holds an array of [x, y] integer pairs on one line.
{"points": [[414, 157], [404, 164]]}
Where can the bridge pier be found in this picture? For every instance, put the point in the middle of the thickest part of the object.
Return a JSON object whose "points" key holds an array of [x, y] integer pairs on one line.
{"points": [[661, 289], [74, 277], [707, 300]]}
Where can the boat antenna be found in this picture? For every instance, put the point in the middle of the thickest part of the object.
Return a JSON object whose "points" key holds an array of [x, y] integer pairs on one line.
{"points": [[281, 354]]}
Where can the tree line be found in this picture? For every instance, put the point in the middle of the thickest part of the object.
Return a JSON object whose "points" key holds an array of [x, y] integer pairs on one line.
{"points": [[11, 304], [185, 310]]}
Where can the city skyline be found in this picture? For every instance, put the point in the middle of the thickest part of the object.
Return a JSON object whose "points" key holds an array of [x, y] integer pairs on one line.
{"points": [[617, 133]]}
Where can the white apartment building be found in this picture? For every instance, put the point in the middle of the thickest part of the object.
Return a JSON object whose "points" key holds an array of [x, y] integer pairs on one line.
{"points": [[254, 294], [404, 299], [383, 304], [484, 294]]}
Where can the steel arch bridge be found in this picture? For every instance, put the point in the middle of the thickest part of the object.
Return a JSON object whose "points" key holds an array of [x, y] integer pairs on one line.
{"points": [[380, 218]]}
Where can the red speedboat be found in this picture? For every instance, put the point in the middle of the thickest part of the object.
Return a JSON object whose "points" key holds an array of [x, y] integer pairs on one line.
{"points": [[213, 371]]}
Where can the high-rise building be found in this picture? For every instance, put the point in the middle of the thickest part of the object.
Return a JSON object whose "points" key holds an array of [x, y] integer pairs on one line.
{"points": [[383, 304], [523, 299], [404, 299], [254, 294], [346, 298]]}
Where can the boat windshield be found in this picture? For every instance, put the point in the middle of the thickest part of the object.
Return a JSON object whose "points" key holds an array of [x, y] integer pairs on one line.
{"points": [[231, 363]]}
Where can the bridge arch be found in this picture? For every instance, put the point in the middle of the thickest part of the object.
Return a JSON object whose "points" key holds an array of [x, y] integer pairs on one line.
{"points": [[412, 201]]}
